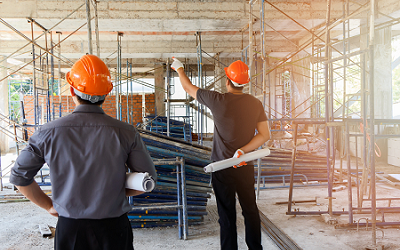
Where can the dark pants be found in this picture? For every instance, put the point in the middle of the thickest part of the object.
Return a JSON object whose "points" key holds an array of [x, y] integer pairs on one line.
{"points": [[226, 183], [88, 234]]}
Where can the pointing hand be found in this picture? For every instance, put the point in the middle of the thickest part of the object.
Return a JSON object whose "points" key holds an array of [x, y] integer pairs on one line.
{"points": [[176, 64]]}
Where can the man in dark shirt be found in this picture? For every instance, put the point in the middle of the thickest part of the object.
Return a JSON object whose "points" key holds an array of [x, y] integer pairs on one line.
{"points": [[237, 117], [87, 153]]}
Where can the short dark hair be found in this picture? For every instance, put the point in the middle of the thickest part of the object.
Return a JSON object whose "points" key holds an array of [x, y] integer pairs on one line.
{"points": [[82, 101], [233, 86]]}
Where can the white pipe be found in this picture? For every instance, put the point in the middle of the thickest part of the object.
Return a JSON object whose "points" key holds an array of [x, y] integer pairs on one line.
{"points": [[140, 182], [219, 165]]}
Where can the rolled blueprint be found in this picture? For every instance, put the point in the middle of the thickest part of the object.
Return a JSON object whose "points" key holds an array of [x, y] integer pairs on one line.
{"points": [[139, 181], [219, 165]]}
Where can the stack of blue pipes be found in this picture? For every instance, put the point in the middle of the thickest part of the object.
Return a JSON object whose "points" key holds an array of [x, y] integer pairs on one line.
{"points": [[177, 129], [198, 187], [308, 166]]}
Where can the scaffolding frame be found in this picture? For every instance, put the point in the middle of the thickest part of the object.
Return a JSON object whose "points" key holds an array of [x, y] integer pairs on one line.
{"points": [[322, 101], [326, 62]]}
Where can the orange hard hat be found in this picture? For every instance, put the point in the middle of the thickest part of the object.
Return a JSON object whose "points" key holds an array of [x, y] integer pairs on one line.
{"points": [[238, 73], [90, 77]]}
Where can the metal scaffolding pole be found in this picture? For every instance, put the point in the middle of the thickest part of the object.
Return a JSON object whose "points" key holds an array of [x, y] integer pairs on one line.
{"points": [[372, 117], [59, 33], [264, 69], [344, 110], [118, 77], [35, 100], [168, 97], [127, 92], [53, 116], [349, 194], [131, 94], [46, 79], [200, 111], [251, 49], [364, 108], [327, 102]]}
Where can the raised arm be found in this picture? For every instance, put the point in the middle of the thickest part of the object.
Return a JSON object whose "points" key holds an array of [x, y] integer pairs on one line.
{"points": [[185, 81]]}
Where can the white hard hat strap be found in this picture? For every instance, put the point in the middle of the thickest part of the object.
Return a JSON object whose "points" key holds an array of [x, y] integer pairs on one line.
{"points": [[91, 98], [237, 85]]}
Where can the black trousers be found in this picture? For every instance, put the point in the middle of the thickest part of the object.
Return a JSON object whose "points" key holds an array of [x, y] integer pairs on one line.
{"points": [[91, 234], [226, 183]]}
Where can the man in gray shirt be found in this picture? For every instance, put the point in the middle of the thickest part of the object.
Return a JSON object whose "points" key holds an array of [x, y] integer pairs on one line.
{"points": [[88, 153]]}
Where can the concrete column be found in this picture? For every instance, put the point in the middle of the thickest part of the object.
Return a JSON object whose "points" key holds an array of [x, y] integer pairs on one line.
{"points": [[301, 87], [3, 104], [159, 82], [258, 79], [383, 74], [272, 90], [383, 70], [219, 70], [382, 82], [269, 84]]}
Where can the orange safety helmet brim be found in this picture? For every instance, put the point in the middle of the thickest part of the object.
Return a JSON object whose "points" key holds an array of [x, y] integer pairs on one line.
{"points": [[238, 72], [90, 75]]}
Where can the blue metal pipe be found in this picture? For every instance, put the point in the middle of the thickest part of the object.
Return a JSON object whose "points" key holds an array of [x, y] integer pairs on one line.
{"points": [[184, 200], [168, 154], [179, 198], [160, 217], [168, 212]]}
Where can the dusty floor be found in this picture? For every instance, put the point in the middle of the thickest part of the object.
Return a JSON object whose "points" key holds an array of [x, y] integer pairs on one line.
{"points": [[19, 230], [19, 224]]}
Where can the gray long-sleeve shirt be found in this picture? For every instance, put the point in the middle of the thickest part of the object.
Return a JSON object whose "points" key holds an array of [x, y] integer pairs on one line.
{"points": [[87, 152]]}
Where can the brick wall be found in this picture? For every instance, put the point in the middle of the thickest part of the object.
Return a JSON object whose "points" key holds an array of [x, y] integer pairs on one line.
{"points": [[109, 107]]}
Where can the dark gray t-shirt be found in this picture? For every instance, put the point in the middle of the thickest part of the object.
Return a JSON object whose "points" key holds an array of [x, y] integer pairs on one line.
{"points": [[87, 152], [235, 120]]}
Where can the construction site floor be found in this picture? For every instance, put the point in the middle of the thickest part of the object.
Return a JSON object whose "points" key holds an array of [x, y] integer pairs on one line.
{"points": [[19, 223]]}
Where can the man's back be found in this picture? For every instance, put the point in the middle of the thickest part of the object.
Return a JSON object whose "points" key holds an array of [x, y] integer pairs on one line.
{"points": [[86, 152], [235, 120]]}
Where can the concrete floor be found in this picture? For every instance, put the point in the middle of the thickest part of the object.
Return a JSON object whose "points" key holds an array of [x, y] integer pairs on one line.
{"points": [[20, 230], [19, 223]]}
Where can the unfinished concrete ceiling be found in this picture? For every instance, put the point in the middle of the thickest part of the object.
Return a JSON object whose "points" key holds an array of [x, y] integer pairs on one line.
{"points": [[156, 30]]}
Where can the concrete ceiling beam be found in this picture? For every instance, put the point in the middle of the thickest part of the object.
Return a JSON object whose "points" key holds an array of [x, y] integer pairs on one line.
{"points": [[210, 46], [238, 9], [140, 66], [134, 9]]}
